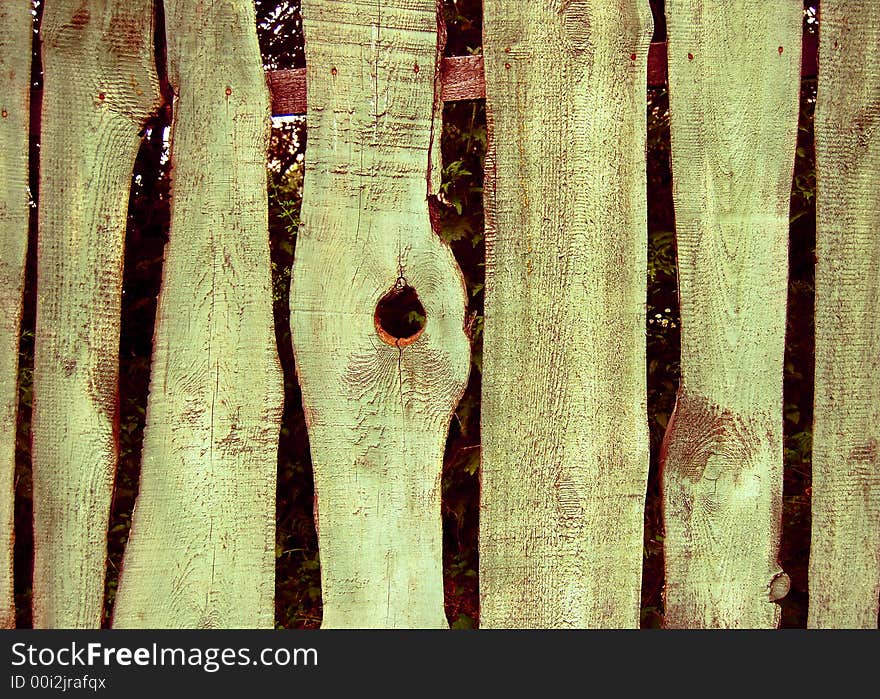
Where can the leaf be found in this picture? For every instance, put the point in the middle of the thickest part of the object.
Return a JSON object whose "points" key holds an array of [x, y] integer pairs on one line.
{"points": [[463, 622]]}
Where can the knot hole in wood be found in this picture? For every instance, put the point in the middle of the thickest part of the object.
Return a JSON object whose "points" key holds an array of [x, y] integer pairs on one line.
{"points": [[400, 317]]}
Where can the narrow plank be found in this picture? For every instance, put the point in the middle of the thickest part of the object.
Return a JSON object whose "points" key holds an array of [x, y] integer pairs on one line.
{"points": [[462, 77], [565, 444], [201, 550], [844, 575], [733, 86], [100, 86], [377, 405], [15, 73]]}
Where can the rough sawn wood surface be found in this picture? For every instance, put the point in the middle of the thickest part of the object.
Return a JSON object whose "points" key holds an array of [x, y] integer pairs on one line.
{"points": [[201, 553], [377, 408], [734, 72]]}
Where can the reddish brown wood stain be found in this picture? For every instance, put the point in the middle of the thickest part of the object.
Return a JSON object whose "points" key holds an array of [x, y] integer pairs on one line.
{"points": [[80, 18], [699, 429], [309, 414], [389, 339], [866, 452], [125, 34]]}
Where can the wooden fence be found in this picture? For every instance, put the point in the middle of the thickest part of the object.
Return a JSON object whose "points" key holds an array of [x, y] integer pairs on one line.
{"points": [[564, 436]]}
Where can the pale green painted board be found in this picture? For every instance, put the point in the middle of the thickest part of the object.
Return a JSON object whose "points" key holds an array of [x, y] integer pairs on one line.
{"points": [[377, 413], [16, 34], [100, 86], [564, 421], [201, 550], [844, 569], [734, 70]]}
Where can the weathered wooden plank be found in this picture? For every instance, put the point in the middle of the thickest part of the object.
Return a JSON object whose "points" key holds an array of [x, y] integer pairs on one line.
{"points": [[15, 75], [844, 577], [733, 86], [377, 405], [565, 443], [201, 550], [100, 87], [462, 77]]}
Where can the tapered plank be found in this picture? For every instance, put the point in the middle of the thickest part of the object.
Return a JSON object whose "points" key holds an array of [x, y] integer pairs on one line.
{"points": [[565, 443], [733, 85], [100, 86], [16, 35], [844, 577], [201, 550], [377, 405]]}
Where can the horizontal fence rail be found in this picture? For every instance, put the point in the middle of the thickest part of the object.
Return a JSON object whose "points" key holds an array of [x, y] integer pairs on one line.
{"points": [[463, 77]]}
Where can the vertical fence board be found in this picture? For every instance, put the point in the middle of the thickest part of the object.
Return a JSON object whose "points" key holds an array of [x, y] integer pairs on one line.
{"points": [[377, 408], [15, 75], [565, 450], [100, 86], [845, 554], [201, 550], [733, 84]]}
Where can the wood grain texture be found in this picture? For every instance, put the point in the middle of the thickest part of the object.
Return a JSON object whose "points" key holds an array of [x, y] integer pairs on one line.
{"points": [[377, 411], [201, 550], [287, 89], [844, 575], [733, 87], [16, 35], [565, 442], [100, 86], [462, 78]]}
